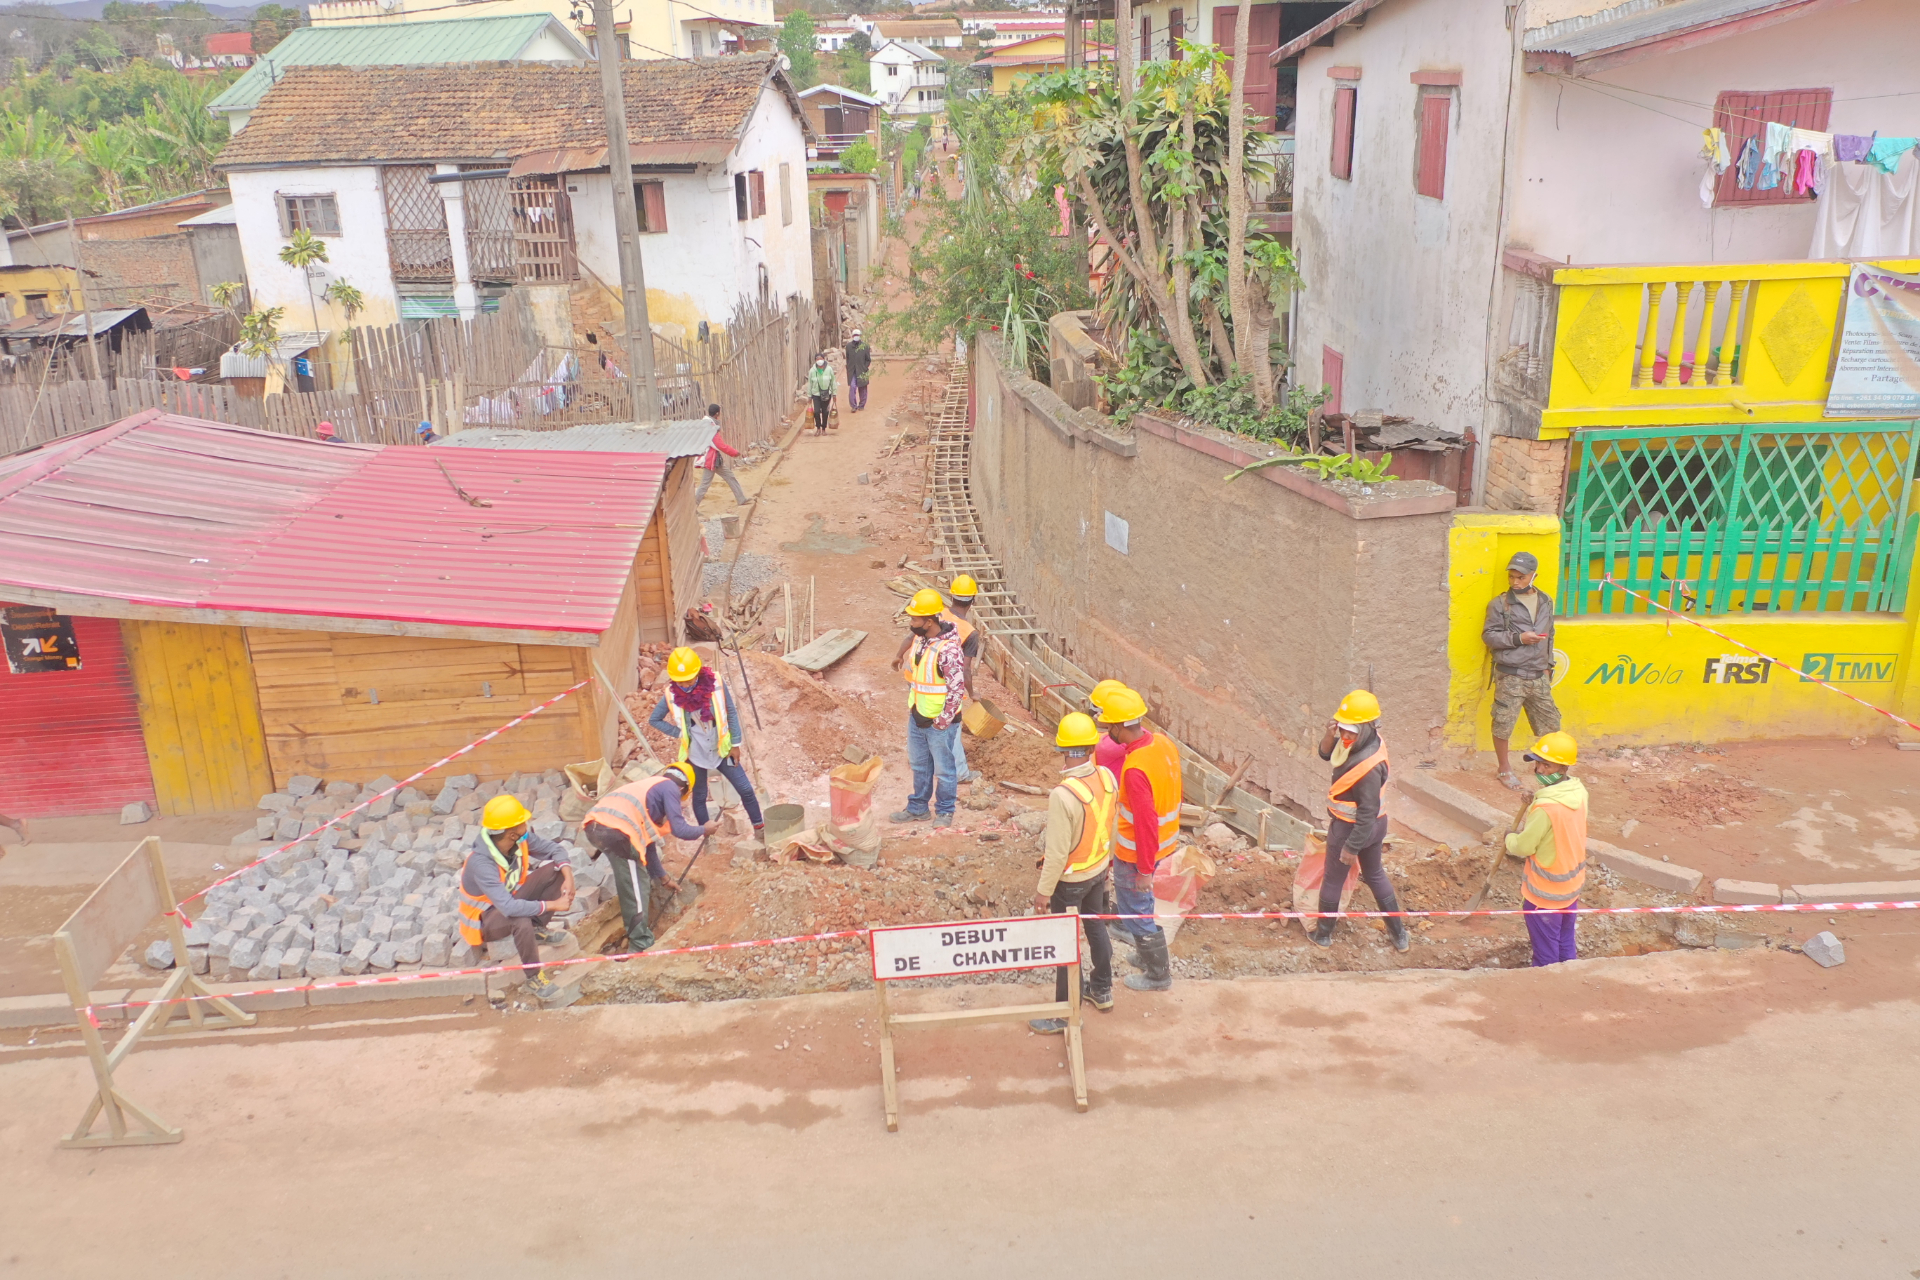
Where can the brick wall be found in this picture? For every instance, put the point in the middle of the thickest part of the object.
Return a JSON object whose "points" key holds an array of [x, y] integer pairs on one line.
{"points": [[1525, 475], [122, 272]]}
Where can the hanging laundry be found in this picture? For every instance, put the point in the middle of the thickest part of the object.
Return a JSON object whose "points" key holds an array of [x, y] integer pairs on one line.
{"points": [[1820, 144], [1885, 153], [1776, 160], [1803, 164], [1868, 214], [1749, 165], [1851, 146], [1713, 149]]}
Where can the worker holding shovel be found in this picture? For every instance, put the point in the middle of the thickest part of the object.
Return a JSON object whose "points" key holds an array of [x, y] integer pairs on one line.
{"points": [[640, 816], [1553, 841], [698, 710]]}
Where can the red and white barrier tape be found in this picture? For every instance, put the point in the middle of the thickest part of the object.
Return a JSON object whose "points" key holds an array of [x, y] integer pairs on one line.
{"points": [[337, 819], [1610, 580], [396, 979]]}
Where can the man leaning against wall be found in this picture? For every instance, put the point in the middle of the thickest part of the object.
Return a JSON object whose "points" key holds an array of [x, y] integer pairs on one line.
{"points": [[1519, 632]]}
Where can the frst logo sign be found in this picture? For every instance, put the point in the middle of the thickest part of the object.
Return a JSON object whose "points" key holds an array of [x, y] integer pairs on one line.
{"points": [[1849, 668], [1737, 668]]}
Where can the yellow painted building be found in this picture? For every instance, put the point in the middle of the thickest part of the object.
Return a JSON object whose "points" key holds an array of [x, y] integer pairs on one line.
{"points": [[1722, 545], [38, 290], [1014, 64]]}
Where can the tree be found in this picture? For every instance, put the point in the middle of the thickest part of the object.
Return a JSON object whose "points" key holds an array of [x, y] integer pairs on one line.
{"points": [[273, 23], [796, 41], [302, 251]]}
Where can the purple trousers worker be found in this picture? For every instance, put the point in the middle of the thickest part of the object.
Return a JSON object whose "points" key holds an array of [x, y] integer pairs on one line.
{"points": [[1551, 933]]}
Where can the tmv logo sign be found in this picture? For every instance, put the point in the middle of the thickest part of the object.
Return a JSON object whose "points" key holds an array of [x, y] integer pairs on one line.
{"points": [[1624, 670], [1849, 668]]}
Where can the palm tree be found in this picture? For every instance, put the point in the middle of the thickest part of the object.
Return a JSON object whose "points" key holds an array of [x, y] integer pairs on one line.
{"points": [[304, 249]]}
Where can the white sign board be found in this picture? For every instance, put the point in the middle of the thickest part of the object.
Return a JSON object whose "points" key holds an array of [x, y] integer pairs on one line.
{"points": [[975, 946], [1877, 374]]}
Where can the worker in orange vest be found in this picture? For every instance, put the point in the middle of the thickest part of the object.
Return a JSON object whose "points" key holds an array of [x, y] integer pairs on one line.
{"points": [[1356, 822], [1146, 830], [1553, 840], [635, 819], [512, 885], [1073, 868]]}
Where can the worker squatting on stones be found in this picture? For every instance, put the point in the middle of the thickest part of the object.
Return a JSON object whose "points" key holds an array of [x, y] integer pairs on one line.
{"points": [[1356, 826], [640, 816], [698, 709], [936, 674], [1553, 841], [512, 885], [1147, 821], [1079, 846]]}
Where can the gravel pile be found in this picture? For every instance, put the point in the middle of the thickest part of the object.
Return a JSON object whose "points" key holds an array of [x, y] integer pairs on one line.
{"points": [[752, 571]]}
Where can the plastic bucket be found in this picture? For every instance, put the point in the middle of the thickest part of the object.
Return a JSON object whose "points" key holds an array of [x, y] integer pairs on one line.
{"points": [[982, 718], [782, 821]]}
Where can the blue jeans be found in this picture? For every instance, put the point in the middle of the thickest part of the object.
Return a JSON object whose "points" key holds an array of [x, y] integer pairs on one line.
{"points": [[931, 752], [1133, 896], [960, 767], [733, 773]]}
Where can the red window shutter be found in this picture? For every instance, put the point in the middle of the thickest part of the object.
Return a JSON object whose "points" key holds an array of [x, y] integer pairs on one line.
{"points": [[1146, 37], [1263, 37], [1744, 114], [1435, 108], [1333, 372], [1344, 100], [757, 183], [653, 206], [1176, 32]]}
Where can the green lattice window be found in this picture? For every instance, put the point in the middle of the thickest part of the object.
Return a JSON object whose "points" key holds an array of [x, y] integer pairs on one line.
{"points": [[1740, 519]]}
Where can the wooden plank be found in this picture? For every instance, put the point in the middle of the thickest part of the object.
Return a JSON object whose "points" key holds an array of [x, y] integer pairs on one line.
{"points": [[827, 649]]}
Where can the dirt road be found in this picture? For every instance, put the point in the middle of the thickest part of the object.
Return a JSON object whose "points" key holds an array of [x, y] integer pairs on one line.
{"points": [[1674, 1114]]}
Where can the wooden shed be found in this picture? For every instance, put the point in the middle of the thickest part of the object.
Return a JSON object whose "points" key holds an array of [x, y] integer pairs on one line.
{"points": [[230, 608]]}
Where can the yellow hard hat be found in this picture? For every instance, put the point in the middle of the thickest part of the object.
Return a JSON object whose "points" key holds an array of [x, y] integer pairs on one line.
{"points": [[1102, 691], [1121, 706], [1356, 709], [503, 811], [964, 587], [926, 603], [1556, 748], [1076, 730], [683, 771], [683, 664]]}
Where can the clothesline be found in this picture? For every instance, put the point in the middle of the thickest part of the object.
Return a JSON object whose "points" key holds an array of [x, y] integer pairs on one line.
{"points": [[1796, 160]]}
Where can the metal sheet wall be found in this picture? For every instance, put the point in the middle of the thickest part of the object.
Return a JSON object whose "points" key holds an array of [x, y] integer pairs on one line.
{"points": [[70, 741]]}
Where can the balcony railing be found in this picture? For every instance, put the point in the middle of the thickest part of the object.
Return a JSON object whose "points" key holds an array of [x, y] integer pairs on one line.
{"points": [[830, 145]]}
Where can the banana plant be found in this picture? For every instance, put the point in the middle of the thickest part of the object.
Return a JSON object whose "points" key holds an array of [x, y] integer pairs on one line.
{"points": [[301, 251]]}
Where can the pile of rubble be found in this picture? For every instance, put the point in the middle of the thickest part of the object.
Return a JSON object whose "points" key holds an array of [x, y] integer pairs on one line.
{"points": [[379, 896]]}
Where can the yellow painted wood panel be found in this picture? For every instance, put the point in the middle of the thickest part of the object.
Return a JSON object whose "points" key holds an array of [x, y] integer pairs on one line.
{"points": [[201, 716], [685, 564]]}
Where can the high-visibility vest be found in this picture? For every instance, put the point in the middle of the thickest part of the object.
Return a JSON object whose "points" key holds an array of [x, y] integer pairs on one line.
{"points": [[1096, 820], [962, 628], [1338, 806], [1560, 886], [624, 809], [927, 686], [1159, 759], [473, 906], [720, 722]]}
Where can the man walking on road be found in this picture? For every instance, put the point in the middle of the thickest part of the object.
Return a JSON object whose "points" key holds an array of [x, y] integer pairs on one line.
{"points": [[715, 463], [936, 672], [512, 885], [1079, 844], [1356, 822], [1519, 631], [636, 817], [820, 390], [1148, 825], [859, 371], [1553, 840]]}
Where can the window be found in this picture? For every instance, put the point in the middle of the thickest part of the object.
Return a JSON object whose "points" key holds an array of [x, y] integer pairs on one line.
{"points": [[1436, 109], [1345, 98], [757, 192], [740, 197], [1176, 32], [317, 214], [650, 198], [1146, 37], [1745, 115], [893, 69], [786, 195], [693, 42], [1333, 372]]}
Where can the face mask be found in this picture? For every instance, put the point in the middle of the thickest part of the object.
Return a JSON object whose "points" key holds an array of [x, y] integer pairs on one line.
{"points": [[1341, 749]]}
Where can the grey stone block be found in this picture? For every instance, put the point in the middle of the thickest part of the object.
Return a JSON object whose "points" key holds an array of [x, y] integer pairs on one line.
{"points": [[245, 953], [402, 843], [218, 970], [383, 958], [501, 950], [199, 933], [293, 962], [434, 950], [1670, 876], [222, 944], [278, 801], [288, 828], [1825, 950], [379, 809], [460, 954], [330, 838], [463, 781], [264, 826], [381, 929], [280, 937], [301, 786], [268, 970], [197, 959], [408, 951], [550, 828], [137, 812], [159, 955], [323, 964], [327, 936], [271, 913], [444, 802], [342, 790], [352, 933], [1741, 892], [356, 960]]}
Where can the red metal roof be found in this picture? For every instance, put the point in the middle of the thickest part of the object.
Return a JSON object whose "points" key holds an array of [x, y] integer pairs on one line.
{"points": [[229, 43], [176, 512]]}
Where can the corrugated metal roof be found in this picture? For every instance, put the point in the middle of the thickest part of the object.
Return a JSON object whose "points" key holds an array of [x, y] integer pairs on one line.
{"points": [[683, 438], [66, 324], [175, 512], [1638, 21], [388, 44]]}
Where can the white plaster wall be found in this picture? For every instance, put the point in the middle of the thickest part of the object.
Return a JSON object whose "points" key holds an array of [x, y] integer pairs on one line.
{"points": [[1397, 282], [548, 47], [1616, 178], [358, 254]]}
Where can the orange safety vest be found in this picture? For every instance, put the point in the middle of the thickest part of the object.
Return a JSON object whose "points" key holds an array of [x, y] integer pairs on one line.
{"points": [[961, 626], [1096, 822], [1558, 888], [724, 739], [625, 810], [1347, 810], [1160, 761], [472, 907]]}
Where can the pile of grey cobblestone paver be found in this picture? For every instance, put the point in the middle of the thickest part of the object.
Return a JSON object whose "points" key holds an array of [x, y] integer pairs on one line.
{"points": [[378, 894]]}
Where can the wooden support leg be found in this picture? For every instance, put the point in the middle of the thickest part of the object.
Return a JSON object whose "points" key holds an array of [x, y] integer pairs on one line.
{"points": [[888, 1086], [1076, 1060]]}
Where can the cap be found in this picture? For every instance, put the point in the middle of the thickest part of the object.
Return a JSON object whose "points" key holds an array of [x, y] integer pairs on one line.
{"points": [[1524, 561], [424, 429], [324, 429]]}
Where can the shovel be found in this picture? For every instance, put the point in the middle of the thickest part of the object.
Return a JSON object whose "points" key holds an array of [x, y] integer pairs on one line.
{"points": [[1499, 856]]}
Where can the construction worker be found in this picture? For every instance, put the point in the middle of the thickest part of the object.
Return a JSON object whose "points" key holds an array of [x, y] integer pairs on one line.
{"points": [[1518, 632], [1147, 828], [820, 391], [961, 592], [1553, 840], [635, 818], [1079, 844], [512, 885], [1098, 698], [936, 671], [1356, 824], [698, 709]]}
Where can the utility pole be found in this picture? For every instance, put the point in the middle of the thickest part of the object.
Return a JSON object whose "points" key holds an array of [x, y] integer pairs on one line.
{"points": [[626, 219]]}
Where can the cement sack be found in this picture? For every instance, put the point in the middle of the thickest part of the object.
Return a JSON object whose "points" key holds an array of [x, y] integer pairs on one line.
{"points": [[586, 783], [1177, 879], [1312, 870], [852, 831]]}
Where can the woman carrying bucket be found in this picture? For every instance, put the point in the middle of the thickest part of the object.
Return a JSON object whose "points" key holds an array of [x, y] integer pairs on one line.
{"points": [[698, 709]]}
